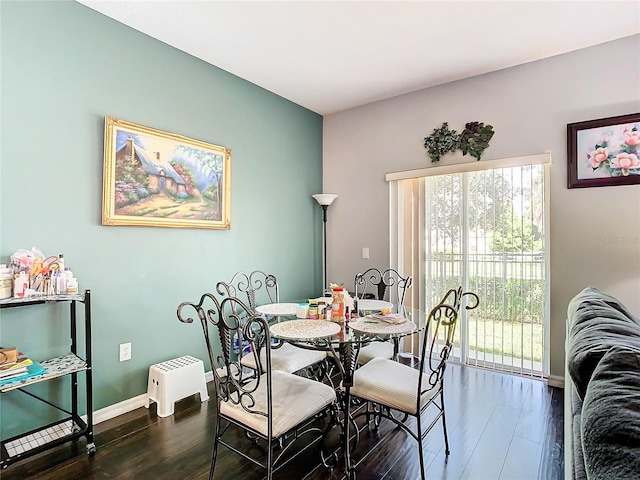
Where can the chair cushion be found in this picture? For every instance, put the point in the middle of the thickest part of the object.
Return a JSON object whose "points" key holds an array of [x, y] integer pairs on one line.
{"points": [[598, 322], [610, 420], [375, 350], [288, 358], [393, 384], [294, 400]]}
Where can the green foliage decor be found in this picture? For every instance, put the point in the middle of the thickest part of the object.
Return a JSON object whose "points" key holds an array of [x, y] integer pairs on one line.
{"points": [[473, 140], [441, 142]]}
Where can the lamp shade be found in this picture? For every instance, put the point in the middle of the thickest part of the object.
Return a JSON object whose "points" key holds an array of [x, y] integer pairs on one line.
{"points": [[324, 198]]}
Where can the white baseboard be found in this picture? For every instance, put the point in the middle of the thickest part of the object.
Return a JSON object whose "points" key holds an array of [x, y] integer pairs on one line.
{"points": [[120, 408], [555, 381], [126, 406]]}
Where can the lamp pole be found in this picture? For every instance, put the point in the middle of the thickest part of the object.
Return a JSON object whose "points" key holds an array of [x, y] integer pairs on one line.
{"points": [[324, 199], [324, 248]]}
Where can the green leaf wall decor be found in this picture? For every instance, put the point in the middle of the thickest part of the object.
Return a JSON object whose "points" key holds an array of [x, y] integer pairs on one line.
{"points": [[473, 140]]}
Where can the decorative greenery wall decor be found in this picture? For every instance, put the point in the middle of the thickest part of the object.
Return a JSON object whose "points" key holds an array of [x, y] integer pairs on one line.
{"points": [[441, 141], [473, 140]]}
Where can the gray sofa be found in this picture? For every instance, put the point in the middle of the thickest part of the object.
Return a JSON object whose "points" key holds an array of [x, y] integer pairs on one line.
{"points": [[602, 389]]}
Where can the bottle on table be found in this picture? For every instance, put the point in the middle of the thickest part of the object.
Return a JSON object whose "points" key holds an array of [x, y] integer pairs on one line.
{"points": [[354, 310], [337, 305], [313, 309], [322, 307]]}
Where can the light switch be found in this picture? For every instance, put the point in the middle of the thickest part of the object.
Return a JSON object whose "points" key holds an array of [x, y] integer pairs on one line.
{"points": [[365, 252]]}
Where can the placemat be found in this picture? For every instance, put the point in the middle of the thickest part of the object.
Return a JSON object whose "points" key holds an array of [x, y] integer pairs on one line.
{"points": [[277, 309], [370, 325]]}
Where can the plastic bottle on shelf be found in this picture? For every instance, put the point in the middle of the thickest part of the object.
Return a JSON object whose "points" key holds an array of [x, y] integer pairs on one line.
{"points": [[61, 286], [6, 282], [72, 285], [21, 285]]}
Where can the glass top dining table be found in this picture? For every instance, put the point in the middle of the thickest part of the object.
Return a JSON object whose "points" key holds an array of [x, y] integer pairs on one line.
{"points": [[358, 330], [344, 341]]}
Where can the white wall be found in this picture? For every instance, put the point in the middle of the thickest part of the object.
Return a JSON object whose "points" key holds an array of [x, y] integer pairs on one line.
{"points": [[595, 232]]}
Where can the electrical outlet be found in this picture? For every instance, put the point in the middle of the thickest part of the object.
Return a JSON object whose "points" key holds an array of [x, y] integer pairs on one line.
{"points": [[125, 351], [365, 252]]}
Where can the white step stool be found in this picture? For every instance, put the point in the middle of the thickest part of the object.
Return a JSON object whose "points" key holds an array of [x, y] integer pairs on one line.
{"points": [[174, 380]]}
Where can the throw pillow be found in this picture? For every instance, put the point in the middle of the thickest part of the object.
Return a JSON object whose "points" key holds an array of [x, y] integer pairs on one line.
{"points": [[610, 420], [596, 326]]}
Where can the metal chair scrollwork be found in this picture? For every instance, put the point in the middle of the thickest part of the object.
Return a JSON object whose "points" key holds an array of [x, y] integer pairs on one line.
{"points": [[382, 285], [273, 408], [386, 285], [388, 386], [247, 286], [259, 288]]}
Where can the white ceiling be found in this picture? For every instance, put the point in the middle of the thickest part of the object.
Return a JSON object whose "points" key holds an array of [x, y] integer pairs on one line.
{"points": [[329, 56]]}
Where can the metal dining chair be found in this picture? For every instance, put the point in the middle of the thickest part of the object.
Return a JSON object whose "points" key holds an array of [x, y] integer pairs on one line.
{"points": [[386, 285], [387, 386], [259, 288], [273, 408], [246, 286]]}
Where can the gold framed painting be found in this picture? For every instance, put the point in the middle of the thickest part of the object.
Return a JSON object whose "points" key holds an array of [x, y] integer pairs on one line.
{"points": [[159, 179]]}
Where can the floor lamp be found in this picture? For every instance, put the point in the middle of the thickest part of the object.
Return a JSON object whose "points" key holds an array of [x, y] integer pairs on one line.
{"points": [[324, 199]]}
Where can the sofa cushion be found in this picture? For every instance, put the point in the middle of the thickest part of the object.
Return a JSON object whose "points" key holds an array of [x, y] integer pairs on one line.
{"points": [[610, 419], [590, 294], [598, 322], [578, 470], [575, 400]]}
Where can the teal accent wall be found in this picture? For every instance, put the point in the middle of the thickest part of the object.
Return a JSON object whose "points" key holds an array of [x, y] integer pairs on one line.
{"points": [[64, 67]]}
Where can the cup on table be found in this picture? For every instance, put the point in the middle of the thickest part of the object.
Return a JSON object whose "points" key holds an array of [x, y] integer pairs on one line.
{"points": [[302, 310]]}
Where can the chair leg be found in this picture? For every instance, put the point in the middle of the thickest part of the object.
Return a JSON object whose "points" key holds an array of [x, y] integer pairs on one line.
{"points": [[269, 459], [368, 415], [420, 447], [214, 455], [444, 424]]}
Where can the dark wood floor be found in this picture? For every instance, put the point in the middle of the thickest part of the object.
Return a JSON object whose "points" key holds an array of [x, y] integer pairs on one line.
{"points": [[501, 427]]}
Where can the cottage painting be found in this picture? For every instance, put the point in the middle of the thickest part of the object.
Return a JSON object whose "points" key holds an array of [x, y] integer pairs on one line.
{"points": [[155, 178]]}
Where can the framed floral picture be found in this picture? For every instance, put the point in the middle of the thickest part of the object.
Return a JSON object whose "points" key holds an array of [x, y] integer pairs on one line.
{"points": [[160, 179], [604, 152]]}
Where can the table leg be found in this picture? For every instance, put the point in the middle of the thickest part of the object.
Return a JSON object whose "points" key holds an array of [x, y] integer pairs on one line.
{"points": [[348, 357]]}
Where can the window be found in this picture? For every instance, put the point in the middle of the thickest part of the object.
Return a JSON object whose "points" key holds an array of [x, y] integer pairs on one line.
{"points": [[487, 231]]}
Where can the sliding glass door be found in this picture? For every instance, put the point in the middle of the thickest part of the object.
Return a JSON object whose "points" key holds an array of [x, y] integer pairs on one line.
{"points": [[485, 230]]}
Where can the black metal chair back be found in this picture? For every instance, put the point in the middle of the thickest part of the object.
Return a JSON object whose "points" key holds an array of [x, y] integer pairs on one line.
{"points": [[243, 394], [249, 286], [382, 395], [230, 319], [437, 342], [382, 285], [207, 310]]}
